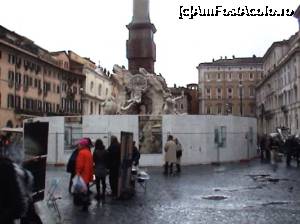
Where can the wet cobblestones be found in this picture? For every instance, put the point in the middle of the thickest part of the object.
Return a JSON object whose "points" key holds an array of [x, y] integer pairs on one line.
{"points": [[253, 193]]}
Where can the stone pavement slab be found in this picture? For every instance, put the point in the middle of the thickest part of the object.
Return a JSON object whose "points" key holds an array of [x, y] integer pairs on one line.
{"points": [[236, 193]]}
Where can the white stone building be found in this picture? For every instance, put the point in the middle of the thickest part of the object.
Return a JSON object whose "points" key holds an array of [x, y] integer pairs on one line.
{"points": [[98, 88], [277, 95]]}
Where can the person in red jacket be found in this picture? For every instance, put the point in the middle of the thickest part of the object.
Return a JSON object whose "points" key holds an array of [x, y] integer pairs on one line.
{"points": [[84, 167]]}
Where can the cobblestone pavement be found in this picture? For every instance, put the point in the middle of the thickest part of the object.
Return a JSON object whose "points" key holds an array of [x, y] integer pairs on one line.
{"points": [[232, 193]]}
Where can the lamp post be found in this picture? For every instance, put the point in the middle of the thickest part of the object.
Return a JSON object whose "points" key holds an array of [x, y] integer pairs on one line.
{"points": [[241, 97]]}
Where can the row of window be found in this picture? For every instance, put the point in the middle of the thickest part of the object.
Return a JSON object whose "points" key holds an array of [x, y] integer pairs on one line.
{"points": [[240, 68], [92, 108], [32, 66], [99, 88], [28, 65], [226, 109], [230, 76], [68, 106], [230, 92], [30, 82]]}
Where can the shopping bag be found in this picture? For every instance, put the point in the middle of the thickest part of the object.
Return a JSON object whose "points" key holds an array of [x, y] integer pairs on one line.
{"points": [[78, 186]]}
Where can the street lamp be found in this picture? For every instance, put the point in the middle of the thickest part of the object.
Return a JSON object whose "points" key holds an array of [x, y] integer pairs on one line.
{"points": [[241, 97]]}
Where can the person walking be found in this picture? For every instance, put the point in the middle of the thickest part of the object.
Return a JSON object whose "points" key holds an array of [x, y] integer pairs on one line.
{"points": [[100, 157], [178, 155], [170, 155], [274, 149], [71, 165], [262, 143], [114, 158], [84, 168], [135, 155]]}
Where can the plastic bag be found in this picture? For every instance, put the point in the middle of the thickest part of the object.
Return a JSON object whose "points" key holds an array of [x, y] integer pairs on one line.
{"points": [[78, 186]]}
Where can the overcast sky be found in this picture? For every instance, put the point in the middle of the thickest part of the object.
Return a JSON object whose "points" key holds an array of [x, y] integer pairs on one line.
{"points": [[96, 29]]}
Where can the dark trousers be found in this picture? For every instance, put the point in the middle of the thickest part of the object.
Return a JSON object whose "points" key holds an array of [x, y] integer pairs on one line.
{"points": [[71, 182], [288, 158], [268, 155], [262, 157], [178, 167], [102, 180], [168, 167], [113, 181]]}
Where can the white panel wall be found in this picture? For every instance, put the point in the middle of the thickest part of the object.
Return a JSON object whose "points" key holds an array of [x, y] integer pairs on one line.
{"points": [[195, 132], [106, 125]]}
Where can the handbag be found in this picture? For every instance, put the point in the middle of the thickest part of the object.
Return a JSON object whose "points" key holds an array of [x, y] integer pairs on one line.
{"points": [[178, 153]]}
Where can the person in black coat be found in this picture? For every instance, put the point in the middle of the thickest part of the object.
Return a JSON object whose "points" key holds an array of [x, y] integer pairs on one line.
{"points": [[15, 192], [100, 157], [135, 155], [114, 158]]}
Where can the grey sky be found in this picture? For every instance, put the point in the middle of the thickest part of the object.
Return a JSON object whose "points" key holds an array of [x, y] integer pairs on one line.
{"points": [[96, 29]]}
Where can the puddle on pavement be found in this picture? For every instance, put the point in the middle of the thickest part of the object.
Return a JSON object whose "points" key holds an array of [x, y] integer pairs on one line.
{"points": [[240, 189], [266, 178], [215, 197], [276, 203]]}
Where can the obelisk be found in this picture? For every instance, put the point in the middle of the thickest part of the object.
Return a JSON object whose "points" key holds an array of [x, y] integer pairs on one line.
{"points": [[141, 49]]}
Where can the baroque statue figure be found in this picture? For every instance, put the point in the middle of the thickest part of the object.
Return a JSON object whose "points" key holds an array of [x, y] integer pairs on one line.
{"points": [[142, 93]]}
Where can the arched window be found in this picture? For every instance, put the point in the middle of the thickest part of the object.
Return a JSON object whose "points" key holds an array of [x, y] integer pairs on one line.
{"points": [[91, 108]]}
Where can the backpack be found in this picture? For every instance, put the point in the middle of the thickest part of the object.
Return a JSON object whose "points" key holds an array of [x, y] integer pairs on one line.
{"points": [[72, 162]]}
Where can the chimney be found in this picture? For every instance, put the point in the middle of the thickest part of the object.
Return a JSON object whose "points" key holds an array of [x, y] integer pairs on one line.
{"points": [[221, 57], [174, 85], [225, 57], [213, 60], [254, 56], [233, 57]]}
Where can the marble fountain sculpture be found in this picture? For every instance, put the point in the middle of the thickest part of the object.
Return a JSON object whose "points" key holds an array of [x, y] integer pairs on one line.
{"points": [[143, 93]]}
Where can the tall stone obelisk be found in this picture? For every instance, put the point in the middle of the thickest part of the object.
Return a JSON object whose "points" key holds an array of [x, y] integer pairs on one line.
{"points": [[141, 49]]}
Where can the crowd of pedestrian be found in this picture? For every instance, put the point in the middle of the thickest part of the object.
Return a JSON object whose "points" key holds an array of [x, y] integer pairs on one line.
{"points": [[85, 164], [272, 148], [173, 153]]}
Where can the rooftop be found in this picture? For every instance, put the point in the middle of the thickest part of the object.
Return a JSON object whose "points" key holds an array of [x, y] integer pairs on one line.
{"points": [[234, 61]]}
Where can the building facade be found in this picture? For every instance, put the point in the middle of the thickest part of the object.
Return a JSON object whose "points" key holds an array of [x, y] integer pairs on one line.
{"points": [[192, 93], [34, 82], [98, 88], [181, 104], [189, 102], [227, 86], [278, 96]]}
